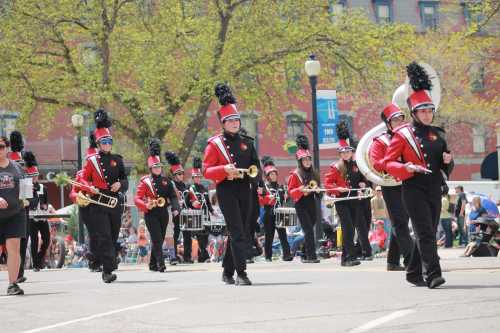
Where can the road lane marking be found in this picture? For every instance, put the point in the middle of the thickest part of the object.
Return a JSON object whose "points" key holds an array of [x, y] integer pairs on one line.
{"points": [[99, 315], [382, 320]]}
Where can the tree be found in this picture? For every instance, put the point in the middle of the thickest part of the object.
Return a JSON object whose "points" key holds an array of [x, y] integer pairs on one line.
{"points": [[153, 64]]}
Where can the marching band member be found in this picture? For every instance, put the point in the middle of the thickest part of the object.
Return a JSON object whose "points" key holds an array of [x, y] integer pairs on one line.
{"points": [[272, 196], [401, 242], [182, 192], [418, 155], [105, 172], [225, 154], [154, 192], [39, 201], [12, 215], [305, 201], [199, 199], [344, 175], [84, 211]]}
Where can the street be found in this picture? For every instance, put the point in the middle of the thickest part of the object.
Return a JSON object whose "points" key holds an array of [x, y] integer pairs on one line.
{"points": [[285, 297]]}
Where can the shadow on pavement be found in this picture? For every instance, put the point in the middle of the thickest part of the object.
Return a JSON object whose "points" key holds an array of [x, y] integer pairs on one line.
{"points": [[471, 286], [264, 284]]}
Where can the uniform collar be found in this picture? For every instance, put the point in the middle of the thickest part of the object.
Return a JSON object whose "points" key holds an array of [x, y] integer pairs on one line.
{"points": [[231, 136]]}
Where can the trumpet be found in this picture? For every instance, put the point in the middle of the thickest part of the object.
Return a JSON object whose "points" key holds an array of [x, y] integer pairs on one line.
{"points": [[158, 202], [252, 171], [312, 186]]}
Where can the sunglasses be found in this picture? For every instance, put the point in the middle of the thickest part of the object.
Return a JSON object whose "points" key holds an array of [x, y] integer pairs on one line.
{"points": [[106, 141]]}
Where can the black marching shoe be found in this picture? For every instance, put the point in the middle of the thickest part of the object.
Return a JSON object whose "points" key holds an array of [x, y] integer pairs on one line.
{"points": [[366, 258], [350, 263], [153, 268], [227, 279], [21, 279], [311, 261], [288, 258], [188, 261], [394, 267], [108, 277], [174, 261], [14, 289], [418, 282], [243, 280], [436, 282], [162, 269]]}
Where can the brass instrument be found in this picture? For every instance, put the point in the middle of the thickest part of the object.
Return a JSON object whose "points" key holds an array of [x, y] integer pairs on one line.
{"points": [[252, 171], [83, 199], [399, 98], [312, 186], [363, 193], [158, 202]]}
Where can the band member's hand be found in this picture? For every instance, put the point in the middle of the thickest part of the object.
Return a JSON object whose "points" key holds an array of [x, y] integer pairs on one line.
{"points": [[94, 190], [3, 204], [175, 213], [231, 171], [410, 167], [150, 205], [343, 189], [116, 187], [259, 190], [196, 204], [43, 206], [447, 158]]}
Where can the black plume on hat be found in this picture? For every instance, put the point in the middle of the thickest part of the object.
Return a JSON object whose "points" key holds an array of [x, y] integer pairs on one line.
{"points": [[154, 147], [92, 141], [419, 80], [224, 94], [302, 141], [102, 119], [267, 160], [197, 163], [16, 141], [29, 159], [172, 158], [343, 131]]}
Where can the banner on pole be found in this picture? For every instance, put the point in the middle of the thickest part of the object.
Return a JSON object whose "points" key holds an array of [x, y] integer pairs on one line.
{"points": [[328, 117]]}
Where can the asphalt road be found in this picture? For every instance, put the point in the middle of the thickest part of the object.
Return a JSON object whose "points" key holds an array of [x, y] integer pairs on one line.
{"points": [[285, 297]]}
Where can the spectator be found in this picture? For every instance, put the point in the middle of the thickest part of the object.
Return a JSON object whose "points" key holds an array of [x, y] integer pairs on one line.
{"points": [[379, 209], [460, 215], [446, 220], [132, 235], [378, 237], [142, 244], [477, 210]]}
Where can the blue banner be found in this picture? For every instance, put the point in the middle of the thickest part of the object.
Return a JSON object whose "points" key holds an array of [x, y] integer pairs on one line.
{"points": [[328, 117]]}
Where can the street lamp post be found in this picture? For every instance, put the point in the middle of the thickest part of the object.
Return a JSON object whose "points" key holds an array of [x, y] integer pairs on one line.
{"points": [[312, 67], [77, 122]]}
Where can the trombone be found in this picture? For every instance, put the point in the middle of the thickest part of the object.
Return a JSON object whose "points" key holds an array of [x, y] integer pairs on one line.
{"points": [[312, 186], [363, 193], [252, 171], [158, 202], [83, 199]]}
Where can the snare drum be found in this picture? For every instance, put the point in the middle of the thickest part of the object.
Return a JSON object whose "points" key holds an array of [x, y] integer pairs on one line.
{"points": [[285, 217], [215, 224], [191, 220]]}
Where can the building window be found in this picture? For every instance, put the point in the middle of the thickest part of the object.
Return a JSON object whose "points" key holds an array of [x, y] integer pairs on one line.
{"points": [[477, 78], [478, 139], [336, 7], [383, 11], [473, 13], [294, 125], [429, 14], [7, 122]]}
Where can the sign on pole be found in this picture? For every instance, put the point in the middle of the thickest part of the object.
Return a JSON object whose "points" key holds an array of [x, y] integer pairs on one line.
{"points": [[328, 117]]}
